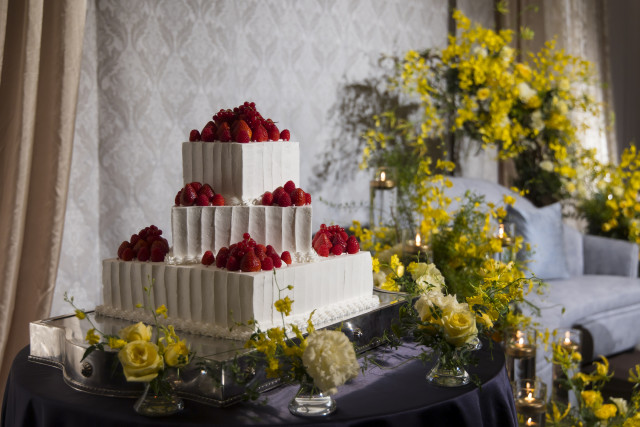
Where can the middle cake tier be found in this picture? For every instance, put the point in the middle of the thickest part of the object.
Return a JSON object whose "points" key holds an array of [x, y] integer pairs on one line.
{"points": [[197, 229]]}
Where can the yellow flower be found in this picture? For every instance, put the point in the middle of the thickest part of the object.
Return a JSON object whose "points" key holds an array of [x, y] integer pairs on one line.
{"points": [[459, 325], [483, 93], [176, 354], [593, 399], [162, 310], [80, 314], [375, 263], [523, 70], [283, 305], [116, 343], [92, 338], [606, 411], [484, 319], [140, 361], [137, 332]]}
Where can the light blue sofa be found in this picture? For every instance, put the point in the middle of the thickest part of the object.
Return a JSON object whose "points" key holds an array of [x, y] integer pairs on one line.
{"points": [[592, 281]]}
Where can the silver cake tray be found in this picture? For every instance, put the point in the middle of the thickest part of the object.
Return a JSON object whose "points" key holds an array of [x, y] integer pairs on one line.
{"points": [[214, 380]]}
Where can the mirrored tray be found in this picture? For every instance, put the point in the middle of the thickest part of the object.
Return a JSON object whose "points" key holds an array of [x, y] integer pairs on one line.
{"points": [[59, 342]]}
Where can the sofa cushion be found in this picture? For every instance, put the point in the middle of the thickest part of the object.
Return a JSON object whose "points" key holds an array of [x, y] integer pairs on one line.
{"points": [[573, 250], [542, 229]]}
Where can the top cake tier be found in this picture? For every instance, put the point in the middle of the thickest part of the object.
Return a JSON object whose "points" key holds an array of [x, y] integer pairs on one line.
{"points": [[241, 172]]}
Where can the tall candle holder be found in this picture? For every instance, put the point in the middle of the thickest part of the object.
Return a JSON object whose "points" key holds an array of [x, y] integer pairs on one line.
{"points": [[520, 355], [382, 196], [530, 395], [506, 234], [570, 340]]}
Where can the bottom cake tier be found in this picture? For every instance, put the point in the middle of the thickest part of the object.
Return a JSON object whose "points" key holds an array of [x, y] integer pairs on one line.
{"points": [[217, 302]]}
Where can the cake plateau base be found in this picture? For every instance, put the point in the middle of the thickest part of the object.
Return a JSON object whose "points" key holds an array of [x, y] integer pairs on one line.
{"points": [[59, 342]]}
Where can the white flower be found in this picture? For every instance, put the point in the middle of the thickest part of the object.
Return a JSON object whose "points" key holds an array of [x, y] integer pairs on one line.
{"points": [[480, 51], [621, 404], [562, 107], [546, 165], [506, 54], [330, 360], [525, 93], [536, 120], [427, 276], [379, 278], [618, 191]]}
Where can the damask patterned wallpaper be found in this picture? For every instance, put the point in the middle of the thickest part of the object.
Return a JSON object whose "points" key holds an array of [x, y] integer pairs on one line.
{"points": [[152, 70]]}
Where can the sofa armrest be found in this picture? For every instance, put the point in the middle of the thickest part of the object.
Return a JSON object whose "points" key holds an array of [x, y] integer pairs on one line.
{"points": [[603, 255]]}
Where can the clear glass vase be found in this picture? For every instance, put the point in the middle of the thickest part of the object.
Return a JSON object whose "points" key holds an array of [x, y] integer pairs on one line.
{"points": [[449, 371], [158, 401], [309, 401]]}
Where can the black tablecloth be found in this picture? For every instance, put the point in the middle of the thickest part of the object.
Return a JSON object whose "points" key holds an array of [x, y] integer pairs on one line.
{"points": [[37, 396]]}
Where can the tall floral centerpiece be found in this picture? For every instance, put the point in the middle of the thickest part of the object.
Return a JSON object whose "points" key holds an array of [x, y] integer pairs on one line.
{"points": [[477, 93], [319, 361]]}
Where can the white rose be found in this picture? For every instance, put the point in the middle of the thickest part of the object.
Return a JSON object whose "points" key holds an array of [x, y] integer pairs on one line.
{"points": [[427, 276], [562, 107], [621, 404], [330, 360], [525, 93], [379, 278], [546, 165]]}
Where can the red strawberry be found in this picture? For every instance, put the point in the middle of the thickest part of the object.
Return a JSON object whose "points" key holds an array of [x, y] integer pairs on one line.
{"points": [[250, 262], [270, 251], [307, 198], [344, 235], [277, 193], [284, 200], [134, 239], [267, 198], [224, 132], [298, 197], [353, 246], [323, 251], [177, 199], [207, 258], [260, 248], [286, 257], [196, 186], [321, 238], [218, 200], [124, 245], [157, 252], [284, 135], [143, 254], [143, 233], [232, 263], [337, 250], [194, 135], [188, 195], [127, 254], [266, 263], [259, 133], [289, 187], [241, 132], [141, 244], [207, 191], [208, 134], [272, 130], [202, 200], [277, 262], [221, 258]]}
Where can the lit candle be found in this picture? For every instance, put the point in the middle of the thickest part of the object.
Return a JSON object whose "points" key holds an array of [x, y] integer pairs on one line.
{"points": [[418, 239], [501, 231], [383, 175], [415, 246], [568, 344], [519, 348], [381, 181], [530, 422], [504, 238]]}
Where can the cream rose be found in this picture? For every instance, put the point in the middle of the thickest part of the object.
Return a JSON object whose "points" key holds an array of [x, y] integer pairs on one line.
{"points": [[137, 332], [140, 361], [330, 360], [176, 354], [459, 325], [427, 276]]}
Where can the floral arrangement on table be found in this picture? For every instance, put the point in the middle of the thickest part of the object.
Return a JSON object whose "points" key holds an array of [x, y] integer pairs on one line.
{"points": [[318, 360], [144, 359], [477, 89], [592, 409]]}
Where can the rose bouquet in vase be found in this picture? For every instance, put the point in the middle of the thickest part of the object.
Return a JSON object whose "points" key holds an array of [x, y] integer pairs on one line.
{"points": [[153, 362], [319, 361]]}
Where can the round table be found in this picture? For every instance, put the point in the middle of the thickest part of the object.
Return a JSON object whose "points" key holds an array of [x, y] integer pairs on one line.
{"points": [[389, 395]]}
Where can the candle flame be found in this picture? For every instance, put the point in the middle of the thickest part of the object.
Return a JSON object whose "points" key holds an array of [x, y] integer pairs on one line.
{"points": [[567, 337], [383, 176], [529, 397], [501, 231], [529, 422], [418, 239]]}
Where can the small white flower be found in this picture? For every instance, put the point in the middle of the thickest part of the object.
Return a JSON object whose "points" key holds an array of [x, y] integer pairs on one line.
{"points": [[618, 191], [536, 120], [330, 360], [480, 51], [562, 107], [525, 93], [506, 54], [546, 165], [621, 404], [564, 84]]}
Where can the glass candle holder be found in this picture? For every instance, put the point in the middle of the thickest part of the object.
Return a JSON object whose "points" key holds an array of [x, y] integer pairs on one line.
{"points": [[520, 354], [415, 248], [506, 234], [382, 197], [570, 340], [530, 395]]}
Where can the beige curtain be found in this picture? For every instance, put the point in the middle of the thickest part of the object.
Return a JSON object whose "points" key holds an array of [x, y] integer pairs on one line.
{"points": [[40, 46]]}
